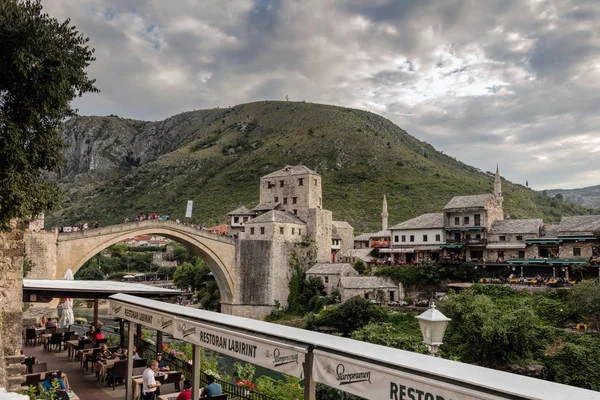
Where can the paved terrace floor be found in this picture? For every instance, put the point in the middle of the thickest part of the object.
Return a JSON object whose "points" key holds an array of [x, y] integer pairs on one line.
{"points": [[83, 384]]}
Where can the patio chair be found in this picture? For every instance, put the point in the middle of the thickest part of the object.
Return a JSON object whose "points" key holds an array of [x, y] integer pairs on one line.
{"points": [[41, 367], [80, 346], [70, 335], [166, 388], [32, 379], [217, 397], [55, 340], [174, 377], [119, 371], [142, 362], [30, 335], [91, 358], [29, 361], [86, 347]]}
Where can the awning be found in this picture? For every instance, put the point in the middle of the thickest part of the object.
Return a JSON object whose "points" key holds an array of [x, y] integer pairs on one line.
{"points": [[577, 237], [510, 245], [386, 250], [44, 290], [403, 250], [451, 246], [543, 241]]}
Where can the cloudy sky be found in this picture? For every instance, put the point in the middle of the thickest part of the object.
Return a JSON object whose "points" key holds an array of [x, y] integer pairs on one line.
{"points": [[493, 81]]}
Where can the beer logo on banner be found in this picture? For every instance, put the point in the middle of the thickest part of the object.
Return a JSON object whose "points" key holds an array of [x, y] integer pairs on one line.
{"points": [[279, 360], [117, 309], [348, 378], [165, 323], [185, 331]]}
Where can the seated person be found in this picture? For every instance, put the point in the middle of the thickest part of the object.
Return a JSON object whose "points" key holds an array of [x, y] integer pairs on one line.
{"points": [[48, 384], [186, 394], [104, 352], [136, 356], [121, 354], [212, 388], [162, 364], [50, 324], [98, 335], [91, 332], [42, 323]]}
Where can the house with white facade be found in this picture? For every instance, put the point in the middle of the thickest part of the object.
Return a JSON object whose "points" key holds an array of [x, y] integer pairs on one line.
{"points": [[418, 239]]}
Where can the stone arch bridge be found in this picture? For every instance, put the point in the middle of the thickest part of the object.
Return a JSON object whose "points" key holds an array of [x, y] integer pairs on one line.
{"points": [[52, 254]]}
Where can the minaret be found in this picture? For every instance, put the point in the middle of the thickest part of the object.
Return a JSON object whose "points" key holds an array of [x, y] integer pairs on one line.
{"points": [[384, 215], [497, 184]]}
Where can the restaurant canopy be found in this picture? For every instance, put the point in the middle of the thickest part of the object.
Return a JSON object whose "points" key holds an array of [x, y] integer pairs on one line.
{"points": [[365, 369], [44, 290]]}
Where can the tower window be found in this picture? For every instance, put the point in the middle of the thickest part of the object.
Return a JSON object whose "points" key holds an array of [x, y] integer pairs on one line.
{"points": [[252, 231], [281, 183], [299, 231], [285, 200], [294, 200], [315, 182], [262, 230], [281, 230], [293, 231], [276, 199], [300, 181], [295, 212]]}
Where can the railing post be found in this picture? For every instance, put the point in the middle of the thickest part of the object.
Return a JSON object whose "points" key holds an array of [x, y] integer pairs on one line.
{"points": [[196, 372], [129, 382], [309, 383]]}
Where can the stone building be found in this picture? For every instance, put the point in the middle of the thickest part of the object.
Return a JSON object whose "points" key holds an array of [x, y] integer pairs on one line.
{"points": [[368, 287], [577, 237], [467, 219], [418, 239], [342, 239], [289, 225], [239, 217], [507, 239], [353, 255], [331, 274]]}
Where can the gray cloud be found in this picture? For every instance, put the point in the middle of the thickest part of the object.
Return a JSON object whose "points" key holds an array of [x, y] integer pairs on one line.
{"points": [[499, 81]]}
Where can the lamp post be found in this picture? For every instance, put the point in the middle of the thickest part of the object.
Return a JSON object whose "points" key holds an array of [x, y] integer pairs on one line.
{"points": [[433, 325]]}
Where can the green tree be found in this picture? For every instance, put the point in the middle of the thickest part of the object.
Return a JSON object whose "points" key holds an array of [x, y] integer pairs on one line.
{"points": [[390, 335], [576, 363], [584, 300], [42, 69], [91, 273], [348, 317], [360, 267]]}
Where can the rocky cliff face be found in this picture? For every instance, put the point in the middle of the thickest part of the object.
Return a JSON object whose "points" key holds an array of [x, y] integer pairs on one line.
{"points": [[100, 148]]}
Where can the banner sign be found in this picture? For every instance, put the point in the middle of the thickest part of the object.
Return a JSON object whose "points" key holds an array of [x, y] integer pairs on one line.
{"points": [[376, 382], [149, 318], [277, 356], [188, 210]]}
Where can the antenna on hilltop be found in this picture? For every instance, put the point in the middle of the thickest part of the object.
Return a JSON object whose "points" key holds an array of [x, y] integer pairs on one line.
{"points": [[287, 98]]}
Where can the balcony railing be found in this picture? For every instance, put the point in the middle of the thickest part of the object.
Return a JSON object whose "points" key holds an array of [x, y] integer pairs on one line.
{"points": [[239, 392], [465, 241]]}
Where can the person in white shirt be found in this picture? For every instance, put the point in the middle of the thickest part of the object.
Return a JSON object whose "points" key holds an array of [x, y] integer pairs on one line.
{"points": [[149, 384]]}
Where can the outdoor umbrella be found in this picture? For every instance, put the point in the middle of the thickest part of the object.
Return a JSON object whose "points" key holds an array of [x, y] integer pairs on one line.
{"points": [[67, 318]]}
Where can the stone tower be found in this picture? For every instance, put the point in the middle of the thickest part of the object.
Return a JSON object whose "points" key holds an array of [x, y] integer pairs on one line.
{"points": [[497, 184], [384, 215]]}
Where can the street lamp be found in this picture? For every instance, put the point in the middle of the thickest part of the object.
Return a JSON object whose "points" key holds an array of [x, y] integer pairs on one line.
{"points": [[433, 325]]}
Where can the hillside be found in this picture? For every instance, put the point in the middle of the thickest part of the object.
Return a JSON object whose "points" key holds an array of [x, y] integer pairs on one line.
{"points": [[117, 168], [587, 196]]}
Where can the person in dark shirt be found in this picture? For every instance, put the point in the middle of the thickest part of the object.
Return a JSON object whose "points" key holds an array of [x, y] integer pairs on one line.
{"points": [[162, 364]]}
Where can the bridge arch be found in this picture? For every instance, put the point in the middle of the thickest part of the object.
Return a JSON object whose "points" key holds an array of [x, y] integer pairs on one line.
{"points": [[76, 248]]}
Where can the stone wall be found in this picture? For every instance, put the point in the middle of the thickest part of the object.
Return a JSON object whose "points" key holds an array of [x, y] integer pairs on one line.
{"points": [[11, 297], [319, 228], [566, 250], [347, 239], [40, 250]]}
